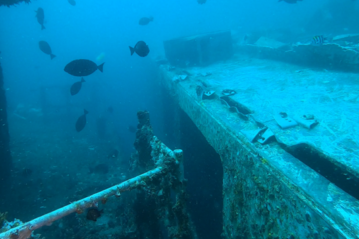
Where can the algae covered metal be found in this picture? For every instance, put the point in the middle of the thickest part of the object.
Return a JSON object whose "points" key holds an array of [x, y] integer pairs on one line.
{"points": [[157, 178], [270, 190]]}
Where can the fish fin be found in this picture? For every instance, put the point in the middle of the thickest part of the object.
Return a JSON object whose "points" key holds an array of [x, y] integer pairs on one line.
{"points": [[52, 56], [85, 112], [42, 27], [100, 67], [82, 79], [132, 50]]}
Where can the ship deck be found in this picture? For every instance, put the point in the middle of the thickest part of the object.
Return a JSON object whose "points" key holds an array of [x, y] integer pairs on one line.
{"points": [[316, 158]]}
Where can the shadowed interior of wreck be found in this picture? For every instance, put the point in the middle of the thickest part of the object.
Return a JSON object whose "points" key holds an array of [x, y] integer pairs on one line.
{"points": [[203, 169], [5, 159]]}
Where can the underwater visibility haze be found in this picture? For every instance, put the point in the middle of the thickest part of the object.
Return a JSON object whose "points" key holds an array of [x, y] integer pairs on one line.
{"points": [[76, 72]]}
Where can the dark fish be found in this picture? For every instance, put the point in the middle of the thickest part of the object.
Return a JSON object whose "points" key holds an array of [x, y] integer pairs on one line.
{"points": [[289, 1], [318, 40], [145, 20], [82, 67], [132, 129], [245, 38], [26, 172], [45, 48], [140, 48], [76, 87], [201, 1], [100, 168], [113, 154], [81, 121], [110, 109], [93, 213], [72, 2], [40, 17]]}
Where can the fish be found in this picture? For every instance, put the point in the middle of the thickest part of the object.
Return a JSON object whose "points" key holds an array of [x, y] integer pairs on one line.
{"points": [[290, 1], [140, 48], [72, 2], [113, 154], [318, 40], [45, 48], [81, 122], [100, 169], [110, 109], [26, 172], [132, 129], [93, 213], [76, 87], [40, 17], [145, 20], [82, 67], [201, 1]]}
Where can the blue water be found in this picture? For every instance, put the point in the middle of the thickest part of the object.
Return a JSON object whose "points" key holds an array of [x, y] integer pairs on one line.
{"points": [[41, 109]]}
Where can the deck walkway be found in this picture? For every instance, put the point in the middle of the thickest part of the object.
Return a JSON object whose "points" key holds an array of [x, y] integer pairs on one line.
{"points": [[268, 192]]}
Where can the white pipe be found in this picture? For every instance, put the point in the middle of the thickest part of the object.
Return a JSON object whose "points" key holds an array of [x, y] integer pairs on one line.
{"points": [[24, 231]]}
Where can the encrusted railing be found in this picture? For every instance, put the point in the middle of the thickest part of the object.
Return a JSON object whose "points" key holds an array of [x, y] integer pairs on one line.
{"points": [[158, 169]]}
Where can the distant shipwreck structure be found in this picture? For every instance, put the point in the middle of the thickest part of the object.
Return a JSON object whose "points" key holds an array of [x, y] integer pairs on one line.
{"points": [[5, 155], [9, 3]]}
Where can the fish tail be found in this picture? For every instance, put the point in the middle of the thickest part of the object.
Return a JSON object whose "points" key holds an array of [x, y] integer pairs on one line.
{"points": [[85, 112], [82, 79], [100, 67], [52, 56], [132, 50], [42, 27]]}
